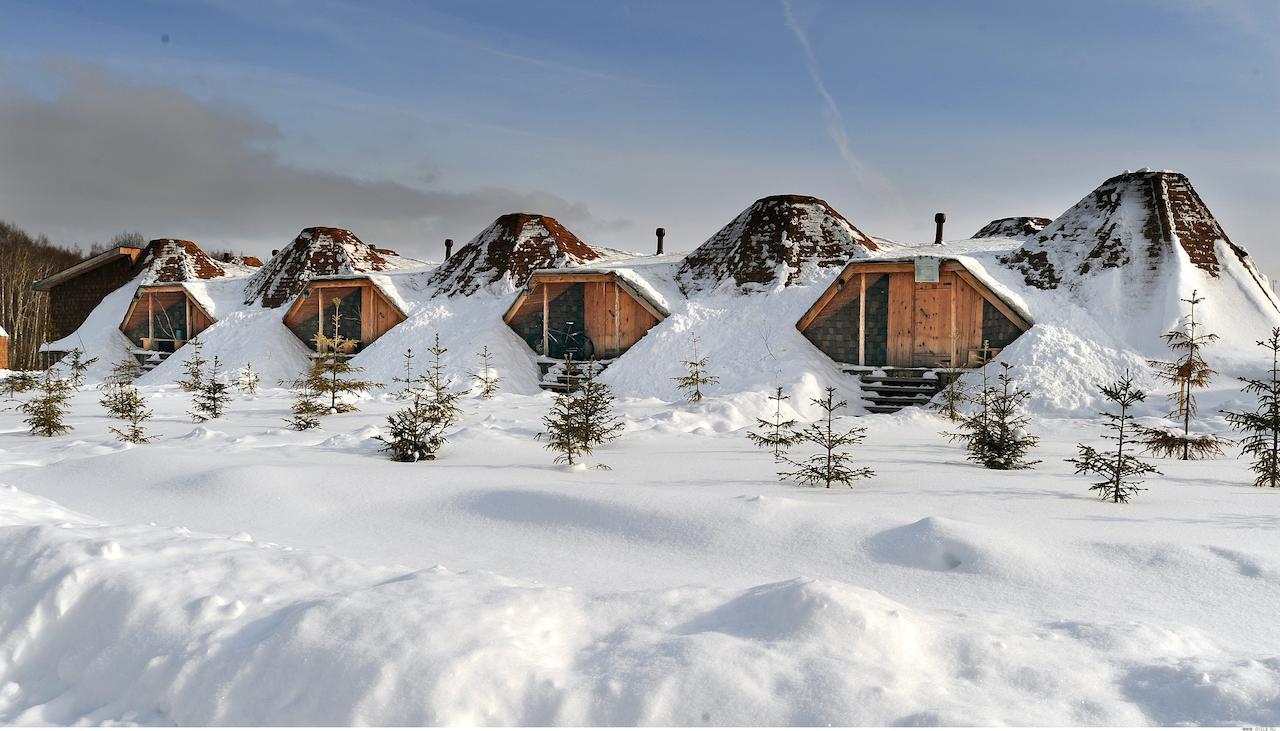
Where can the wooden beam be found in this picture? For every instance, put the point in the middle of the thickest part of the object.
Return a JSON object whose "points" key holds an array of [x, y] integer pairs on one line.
{"points": [[829, 294], [862, 318], [546, 311], [954, 337], [617, 319], [995, 301], [570, 278]]}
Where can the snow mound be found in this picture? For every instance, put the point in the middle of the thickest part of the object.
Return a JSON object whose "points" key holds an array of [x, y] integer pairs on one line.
{"points": [[1015, 227], [775, 238], [508, 251], [318, 252], [942, 544], [1134, 247]]}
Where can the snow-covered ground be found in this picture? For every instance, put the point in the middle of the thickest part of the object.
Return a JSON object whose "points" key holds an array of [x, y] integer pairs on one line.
{"points": [[241, 573]]}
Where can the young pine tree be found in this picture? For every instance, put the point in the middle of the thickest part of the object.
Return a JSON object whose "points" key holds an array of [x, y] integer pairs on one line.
{"points": [[995, 436], [410, 381], [1118, 469], [1261, 427], [776, 434], [248, 379], [600, 425], [132, 409], [332, 375], [77, 367], [951, 400], [115, 398], [212, 397], [831, 465], [19, 382], [486, 378], [696, 377], [47, 410], [193, 366], [563, 431], [1187, 372], [306, 409], [417, 431]]}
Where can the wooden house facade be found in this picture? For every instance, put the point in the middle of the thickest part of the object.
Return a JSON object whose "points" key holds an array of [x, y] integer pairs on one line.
{"points": [[75, 291], [587, 313], [364, 312], [4, 350], [164, 317], [926, 312]]}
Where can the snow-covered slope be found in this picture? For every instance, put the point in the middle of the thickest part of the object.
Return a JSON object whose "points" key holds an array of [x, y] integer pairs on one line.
{"points": [[1012, 228]]}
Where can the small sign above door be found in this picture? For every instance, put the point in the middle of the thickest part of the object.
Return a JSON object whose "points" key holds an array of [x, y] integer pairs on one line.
{"points": [[927, 268]]}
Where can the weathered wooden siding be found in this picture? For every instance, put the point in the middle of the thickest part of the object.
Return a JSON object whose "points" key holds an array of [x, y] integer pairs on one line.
{"points": [[607, 314], [313, 311]]}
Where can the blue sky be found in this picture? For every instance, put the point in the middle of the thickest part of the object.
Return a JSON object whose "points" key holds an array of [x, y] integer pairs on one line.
{"points": [[238, 123]]}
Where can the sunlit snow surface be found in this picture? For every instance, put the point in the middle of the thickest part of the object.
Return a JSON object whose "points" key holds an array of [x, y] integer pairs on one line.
{"points": [[240, 573]]}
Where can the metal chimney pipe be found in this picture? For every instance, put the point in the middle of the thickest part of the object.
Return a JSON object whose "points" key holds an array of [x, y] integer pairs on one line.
{"points": [[939, 218], [275, 251], [448, 248], [661, 232]]}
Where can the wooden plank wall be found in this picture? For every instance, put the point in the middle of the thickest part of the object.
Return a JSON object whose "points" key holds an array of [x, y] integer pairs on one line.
{"points": [[901, 315], [614, 320]]}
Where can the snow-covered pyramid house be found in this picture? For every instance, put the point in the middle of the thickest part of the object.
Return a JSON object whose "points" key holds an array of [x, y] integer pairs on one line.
{"points": [[1012, 228], [170, 304], [775, 238], [327, 273], [508, 251], [1133, 248]]}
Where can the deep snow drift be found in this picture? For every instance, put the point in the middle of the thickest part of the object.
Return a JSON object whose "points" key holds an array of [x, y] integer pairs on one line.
{"points": [[240, 573]]}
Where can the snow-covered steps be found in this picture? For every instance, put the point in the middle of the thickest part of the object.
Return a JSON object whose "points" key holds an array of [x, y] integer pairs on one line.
{"points": [[554, 377], [150, 359], [892, 389]]}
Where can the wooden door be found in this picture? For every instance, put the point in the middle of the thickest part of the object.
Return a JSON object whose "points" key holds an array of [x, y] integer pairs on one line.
{"points": [[932, 324]]}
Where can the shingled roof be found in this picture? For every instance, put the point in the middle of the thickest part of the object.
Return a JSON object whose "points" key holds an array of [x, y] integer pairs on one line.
{"points": [[508, 251], [1135, 219], [1012, 228], [172, 261], [780, 231], [318, 251]]}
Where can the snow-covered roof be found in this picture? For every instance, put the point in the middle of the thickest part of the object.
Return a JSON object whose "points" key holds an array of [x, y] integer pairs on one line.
{"points": [[1013, 227], [509, 250], [88, 265], [171, 261], [3, 334], [319, 251], [775, 237]]}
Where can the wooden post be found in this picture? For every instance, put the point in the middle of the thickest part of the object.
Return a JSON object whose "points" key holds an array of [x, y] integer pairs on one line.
{"points": [[954, 344], [617, 319], [151, 322], [546, 311], [862, 319], [186, 326]]}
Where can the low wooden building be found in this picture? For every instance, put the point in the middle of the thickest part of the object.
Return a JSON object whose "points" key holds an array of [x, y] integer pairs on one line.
{"points": [[365, 312], [163, 317], [591, 313], [924, 312], [4, 350], [75, 291]]}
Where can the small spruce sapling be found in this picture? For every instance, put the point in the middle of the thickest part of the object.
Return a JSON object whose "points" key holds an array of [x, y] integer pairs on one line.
{"points": [[78, 367], [1261, 426], [776, 434], [696, 377], [563, 430], [1187, 372], [331, 374], [831, 465], [212, 397], [951, 400], [417, 431], [114, 397], [486, 377], [600, 425], [306, 408], [248, 379], [47, 410], [407, 383], [1120, 470], [193, 366], [131, 409], [995, 436], [19, 382]]}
